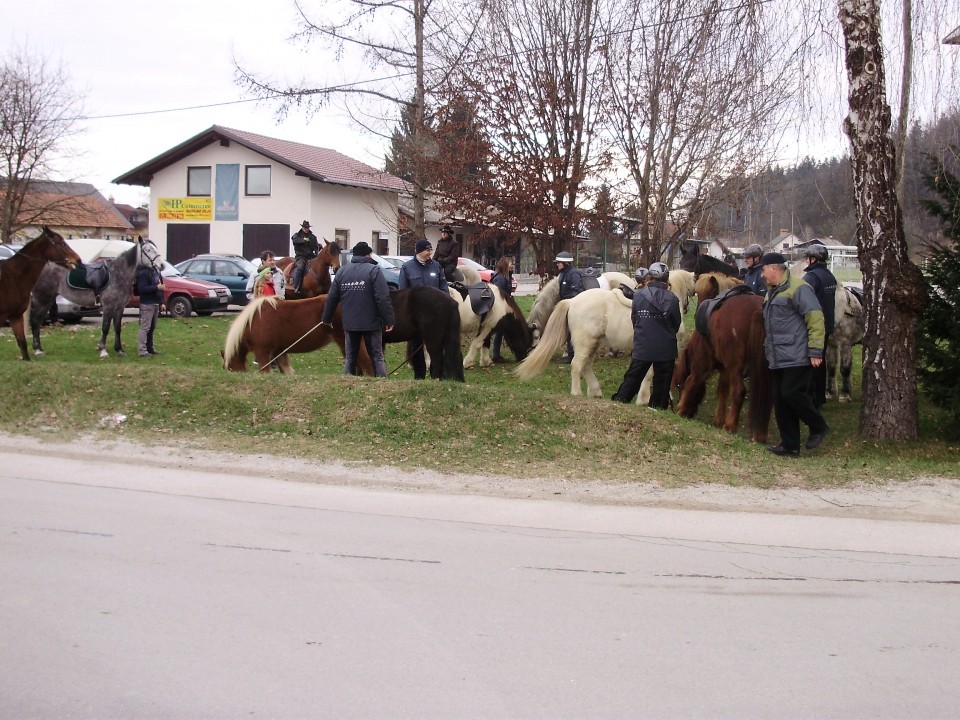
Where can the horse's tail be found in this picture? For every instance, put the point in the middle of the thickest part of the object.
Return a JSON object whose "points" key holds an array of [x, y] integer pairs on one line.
{"points": [[235, 349], [691, 372], [761, 380], [452, 352], [553, 338]]}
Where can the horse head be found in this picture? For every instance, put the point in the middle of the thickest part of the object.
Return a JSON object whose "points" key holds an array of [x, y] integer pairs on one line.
{"points": [[147, 253], [332, 251], [57, 251]]}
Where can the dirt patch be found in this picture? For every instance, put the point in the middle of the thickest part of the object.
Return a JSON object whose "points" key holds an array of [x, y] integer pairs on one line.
{"points": [[922, 499]]}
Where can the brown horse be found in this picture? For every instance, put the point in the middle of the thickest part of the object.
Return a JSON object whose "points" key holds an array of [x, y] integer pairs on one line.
{"points": [[734, 347], [19, 274], [271, 329], [709, 285], [316, 280]]}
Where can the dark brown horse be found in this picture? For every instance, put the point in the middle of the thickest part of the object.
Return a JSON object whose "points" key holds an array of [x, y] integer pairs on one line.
{"points": [[317, 279], [734, 347], [19, 274], [692, 260], [271, 329]]}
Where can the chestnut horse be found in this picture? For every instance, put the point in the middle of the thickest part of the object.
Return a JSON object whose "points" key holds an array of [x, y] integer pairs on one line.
{"points": [[19, 274], [734, 347], [316, 279], [272, 328]]}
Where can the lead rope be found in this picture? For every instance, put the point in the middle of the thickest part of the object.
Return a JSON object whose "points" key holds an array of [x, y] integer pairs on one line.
{"points": [[287, 349], [405, 360]]}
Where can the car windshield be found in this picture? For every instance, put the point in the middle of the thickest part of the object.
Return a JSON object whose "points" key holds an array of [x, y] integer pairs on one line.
{"points": [[169, 270]]}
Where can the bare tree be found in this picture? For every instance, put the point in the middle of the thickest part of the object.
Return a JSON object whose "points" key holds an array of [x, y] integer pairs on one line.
{"points": [[894, 288], [38, 118], [696, 96], [396, 36], [534, 78]]}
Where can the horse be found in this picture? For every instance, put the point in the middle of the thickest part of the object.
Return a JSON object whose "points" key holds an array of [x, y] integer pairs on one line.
{"points": [[593, 317], [709, 285], [692, 260], [112, 298], [504, 316], [847, 332], [19, 275], [272, 328], [316, 279], [549, 295], [733, 347]]}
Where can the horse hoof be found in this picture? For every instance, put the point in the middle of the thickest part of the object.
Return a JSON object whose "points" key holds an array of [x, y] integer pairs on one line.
{"points": [[121, 353], [38, 353], [104, 354], [845, 398]]}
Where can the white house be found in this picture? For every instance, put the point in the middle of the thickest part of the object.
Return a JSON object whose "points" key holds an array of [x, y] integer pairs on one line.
{"points": [[230, 191]]}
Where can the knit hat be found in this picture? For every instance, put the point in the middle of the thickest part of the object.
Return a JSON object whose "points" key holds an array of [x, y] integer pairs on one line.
{"points": [[361, 248], [423, 244], [773, 258]]}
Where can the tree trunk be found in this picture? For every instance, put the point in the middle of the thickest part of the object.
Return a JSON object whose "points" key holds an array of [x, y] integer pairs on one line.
{"points": [[893, 286]]}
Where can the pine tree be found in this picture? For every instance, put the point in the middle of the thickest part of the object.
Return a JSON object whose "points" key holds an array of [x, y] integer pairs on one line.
{"points": [[938, 341]]}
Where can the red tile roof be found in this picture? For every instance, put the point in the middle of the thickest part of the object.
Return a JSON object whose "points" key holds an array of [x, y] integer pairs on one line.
{"points": [[70, 205], [314, 162]]}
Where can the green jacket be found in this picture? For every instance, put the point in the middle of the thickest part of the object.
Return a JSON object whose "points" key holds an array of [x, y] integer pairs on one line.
{"points": [[794, 323]]}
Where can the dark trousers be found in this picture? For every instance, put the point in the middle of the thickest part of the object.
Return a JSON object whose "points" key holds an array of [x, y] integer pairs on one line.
{"points": [[793, 404], [299, 269], [417, 360], [819, 385], [659, 390], [373, 339]]}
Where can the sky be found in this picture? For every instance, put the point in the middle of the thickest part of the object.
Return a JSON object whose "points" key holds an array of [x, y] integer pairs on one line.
{"points": [[132, 59]]}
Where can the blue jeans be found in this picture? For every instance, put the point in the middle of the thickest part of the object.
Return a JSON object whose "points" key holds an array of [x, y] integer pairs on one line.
{"points": [[373, 340]]}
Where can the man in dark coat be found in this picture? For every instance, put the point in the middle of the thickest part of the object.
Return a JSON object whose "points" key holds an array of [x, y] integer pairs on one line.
{"points": [[367, 310], [818, 276], [571, 285], [305, 248], [421, 271], [448, 253], [656, 319], [752, 277]]}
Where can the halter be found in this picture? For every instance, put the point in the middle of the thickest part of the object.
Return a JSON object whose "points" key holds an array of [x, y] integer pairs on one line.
{"points": [[147, 254]]}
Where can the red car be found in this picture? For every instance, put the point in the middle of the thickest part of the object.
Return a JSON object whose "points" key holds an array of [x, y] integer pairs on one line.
{"points": [[485, 273], [183, 296]]}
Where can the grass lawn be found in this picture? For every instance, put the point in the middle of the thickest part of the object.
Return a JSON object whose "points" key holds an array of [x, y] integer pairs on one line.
{"points": [[491, 424]]}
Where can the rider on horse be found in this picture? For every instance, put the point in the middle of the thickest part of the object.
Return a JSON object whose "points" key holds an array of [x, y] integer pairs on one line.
{"points": [[305, 248]]}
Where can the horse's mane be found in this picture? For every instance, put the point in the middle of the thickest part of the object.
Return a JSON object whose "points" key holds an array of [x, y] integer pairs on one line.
{"points": [[241, 323], [709, 285], [544, 304]]}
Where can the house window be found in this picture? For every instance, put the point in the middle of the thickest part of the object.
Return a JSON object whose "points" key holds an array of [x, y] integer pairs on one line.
{"points": [[342, 237], [258, 179], [198, 181]]}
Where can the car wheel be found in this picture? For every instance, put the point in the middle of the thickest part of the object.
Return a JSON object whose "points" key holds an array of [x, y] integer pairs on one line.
{"points": [[179, 307]]}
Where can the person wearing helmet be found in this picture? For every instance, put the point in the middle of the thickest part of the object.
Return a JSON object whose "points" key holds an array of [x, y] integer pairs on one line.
{"points": [[752, 276], [656, 319], [824, 284], [640, 276], [571, 285]]}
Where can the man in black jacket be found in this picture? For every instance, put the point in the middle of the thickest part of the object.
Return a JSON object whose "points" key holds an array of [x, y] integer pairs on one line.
{"points": [[305, 248], [656, 319], [421, 271], [448, 253], [367, 311], [824, 284]]}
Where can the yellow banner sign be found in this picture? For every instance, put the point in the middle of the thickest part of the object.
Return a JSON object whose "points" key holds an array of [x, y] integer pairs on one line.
{"points": [[192, 208]]}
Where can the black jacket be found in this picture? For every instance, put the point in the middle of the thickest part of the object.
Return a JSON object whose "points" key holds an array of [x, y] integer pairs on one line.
{"points": [[414, 273], [656, 319], [305, 244], [363, 291], [824, 284], [147, 281], [571, 283]]}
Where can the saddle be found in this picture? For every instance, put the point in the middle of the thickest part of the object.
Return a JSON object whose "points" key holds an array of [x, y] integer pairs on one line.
{"points": [[708, 307], [95, 277], [481, 296], [627, 291], [590, 282]]}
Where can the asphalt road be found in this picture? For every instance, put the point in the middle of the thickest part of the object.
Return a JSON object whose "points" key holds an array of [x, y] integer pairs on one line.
{"points": [[132, 591]]}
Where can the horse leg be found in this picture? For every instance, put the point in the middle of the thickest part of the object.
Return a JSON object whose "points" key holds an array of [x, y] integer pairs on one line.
{"points": [[691, 395], [37, 315], [831, 360], [117, 324], [470, 358], [643, 397], [104, 331], [18, 330], [723, 396], [846, 366], [738, 391], [485, 359]]}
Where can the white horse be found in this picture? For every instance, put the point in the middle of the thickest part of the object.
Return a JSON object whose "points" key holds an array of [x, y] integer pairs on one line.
{"points": [[505, 315], [548, 297], [847, 332], [592, 318]]}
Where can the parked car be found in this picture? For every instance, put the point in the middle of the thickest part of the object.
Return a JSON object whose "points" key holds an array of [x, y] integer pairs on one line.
{"points": [[183, 295], [397, 260], [485, 273], [230, 270], [390, 271]]}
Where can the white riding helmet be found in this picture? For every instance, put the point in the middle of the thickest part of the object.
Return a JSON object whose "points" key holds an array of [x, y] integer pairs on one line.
{"points": [[659, 271], [564, 257]]}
